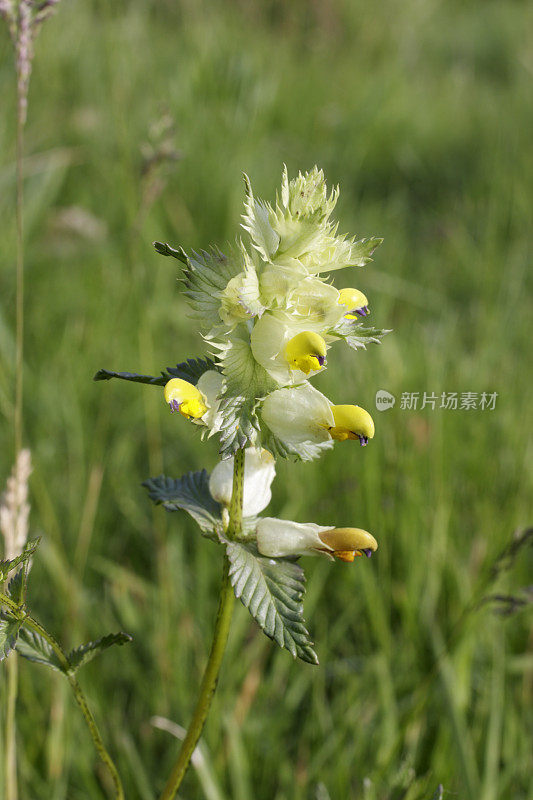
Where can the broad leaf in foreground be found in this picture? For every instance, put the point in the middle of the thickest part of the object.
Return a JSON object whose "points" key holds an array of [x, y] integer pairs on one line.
{"points": [[272, 590], [189, 493], [86, 652]]}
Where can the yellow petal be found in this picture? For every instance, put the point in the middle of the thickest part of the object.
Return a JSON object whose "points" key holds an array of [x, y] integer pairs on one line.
{"points": [[353, 299], [352, 422], [348, 540], [306, 351], [184, 397]]}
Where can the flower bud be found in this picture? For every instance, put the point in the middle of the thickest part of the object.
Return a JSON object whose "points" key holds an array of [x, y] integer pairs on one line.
{"points": [[184, 397], [356, 303], [352, 422], [306, 351]]}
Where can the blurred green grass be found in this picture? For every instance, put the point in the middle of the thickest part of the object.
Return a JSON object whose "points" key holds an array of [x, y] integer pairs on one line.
{"points": [[422, 113]]}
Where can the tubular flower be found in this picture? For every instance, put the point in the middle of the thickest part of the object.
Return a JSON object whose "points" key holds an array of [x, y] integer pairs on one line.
{"points": [[355, 301], [198, 403], [259, 472], [278, 538], [306, 351], [184, 397], [352, 422], [316, 302], [303, 414], [288, 349]]}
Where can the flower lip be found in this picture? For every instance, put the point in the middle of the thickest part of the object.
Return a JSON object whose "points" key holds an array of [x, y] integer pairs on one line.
{"points": [[306, 351], [347, 544], [351, 422], [355, 302], [184, 397]]}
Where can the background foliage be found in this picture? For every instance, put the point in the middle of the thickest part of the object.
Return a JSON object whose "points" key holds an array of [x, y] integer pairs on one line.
{"points": [[422, 112]]}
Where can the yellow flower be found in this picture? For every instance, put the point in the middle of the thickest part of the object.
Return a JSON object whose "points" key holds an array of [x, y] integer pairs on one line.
{"points": [[288, 348], [306, 351], [184, 397], [352, 422], [279, 538], [303, 414], [355, 301]]}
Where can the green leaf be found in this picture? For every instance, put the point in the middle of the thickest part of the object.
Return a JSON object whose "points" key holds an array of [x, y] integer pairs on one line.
{"points": [[246, 381], [86, 652], [16, 589], [189, 493], [239, 425], [193, 369], [362, 250], [190, 370], [272, 590], [33, 647], [106, 375], [256, 221], [356, 335], [7, 565], [303, 451], [165, 249], [9, 631], [205, 277]]}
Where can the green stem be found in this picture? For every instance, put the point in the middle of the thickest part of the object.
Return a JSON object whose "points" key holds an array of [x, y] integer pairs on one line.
{"points": [[218, 646], [11, 792], [32, 623], [10, 751], [235, 509]]}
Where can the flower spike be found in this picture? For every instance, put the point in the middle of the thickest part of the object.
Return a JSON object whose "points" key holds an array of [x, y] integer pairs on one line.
{"points": [[184, 397]]}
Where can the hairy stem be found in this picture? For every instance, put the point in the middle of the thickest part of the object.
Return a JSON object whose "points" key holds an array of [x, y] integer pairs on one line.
{"points": [[218, 646], [32, 623], [235, 510]]}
